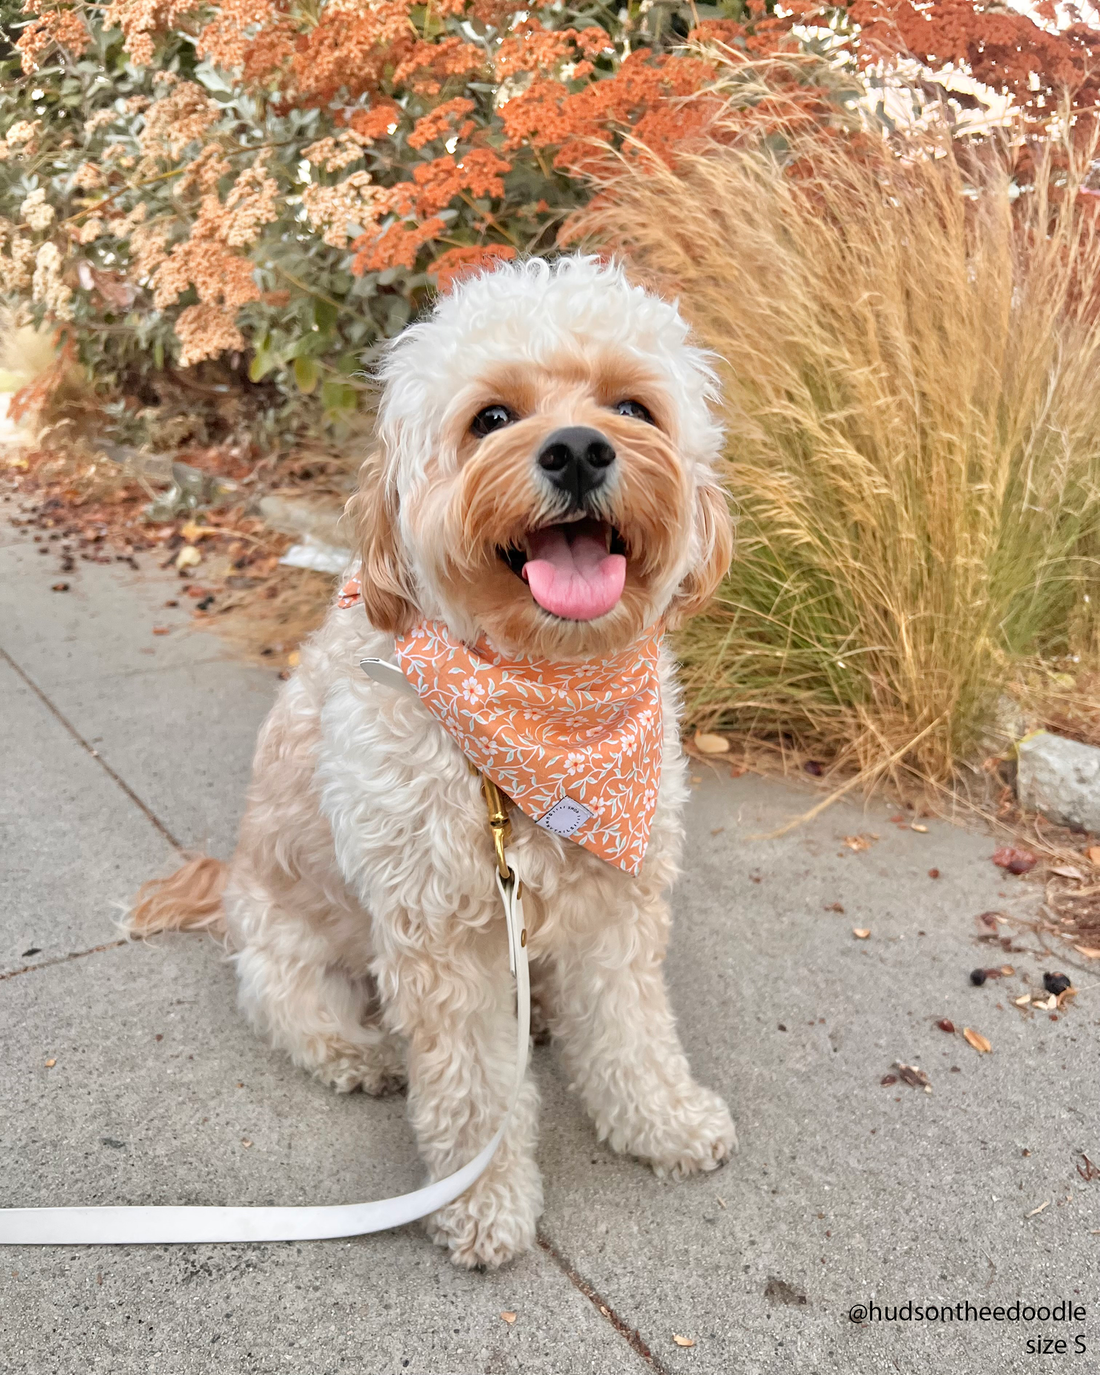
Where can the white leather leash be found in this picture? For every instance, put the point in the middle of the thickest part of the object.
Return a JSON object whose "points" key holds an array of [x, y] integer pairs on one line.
{"points": [[164, 1225]]}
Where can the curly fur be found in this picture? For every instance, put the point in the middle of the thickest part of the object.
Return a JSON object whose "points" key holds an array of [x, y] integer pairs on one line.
{"points": [[360, 902]]}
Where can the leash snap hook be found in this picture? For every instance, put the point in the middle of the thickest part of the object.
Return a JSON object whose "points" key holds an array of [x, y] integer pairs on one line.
{"points": [[499, 824]]}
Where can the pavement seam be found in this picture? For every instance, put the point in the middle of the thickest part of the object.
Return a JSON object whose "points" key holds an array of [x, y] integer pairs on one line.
{"points": [[142, 806], [62, 959], [630, 1335]]}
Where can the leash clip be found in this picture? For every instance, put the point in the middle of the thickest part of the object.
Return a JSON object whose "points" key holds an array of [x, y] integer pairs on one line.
{"points": [[499, 823]]}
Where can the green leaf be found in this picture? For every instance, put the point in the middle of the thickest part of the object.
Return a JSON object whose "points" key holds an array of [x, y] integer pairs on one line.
{"points": [[324, 314], [306, 373]]}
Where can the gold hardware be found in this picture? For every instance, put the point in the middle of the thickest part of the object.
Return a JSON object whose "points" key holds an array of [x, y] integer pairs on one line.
{"points": [[499, 824], [523, 937]]}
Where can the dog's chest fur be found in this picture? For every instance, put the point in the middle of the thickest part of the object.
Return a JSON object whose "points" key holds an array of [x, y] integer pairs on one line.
{"points": [[409, 834]]}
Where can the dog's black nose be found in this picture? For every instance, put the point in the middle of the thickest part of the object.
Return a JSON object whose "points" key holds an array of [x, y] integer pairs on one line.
{"points": [[576, 460]]}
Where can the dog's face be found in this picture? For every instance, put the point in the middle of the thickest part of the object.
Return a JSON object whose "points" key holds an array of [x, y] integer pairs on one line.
{"points": [[546, 472]]}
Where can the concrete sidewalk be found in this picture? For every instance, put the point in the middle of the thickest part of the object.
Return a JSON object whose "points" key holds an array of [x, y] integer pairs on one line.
{"points": [[118, 747]]}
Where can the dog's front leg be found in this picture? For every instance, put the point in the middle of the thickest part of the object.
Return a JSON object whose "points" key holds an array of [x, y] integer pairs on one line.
{"points": [[611, 1015], [454, 1002]]}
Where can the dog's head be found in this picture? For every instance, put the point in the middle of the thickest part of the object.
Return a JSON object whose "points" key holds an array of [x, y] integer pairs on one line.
{"points": [[546, 474]]}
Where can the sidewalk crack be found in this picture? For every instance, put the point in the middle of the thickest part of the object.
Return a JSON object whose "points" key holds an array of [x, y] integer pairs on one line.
{"points": [[149, 813], [630, 1335], [62, 959]]}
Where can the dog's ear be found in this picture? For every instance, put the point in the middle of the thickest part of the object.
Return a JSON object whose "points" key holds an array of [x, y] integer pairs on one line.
{"points": [[713, 551], [383, 577]]}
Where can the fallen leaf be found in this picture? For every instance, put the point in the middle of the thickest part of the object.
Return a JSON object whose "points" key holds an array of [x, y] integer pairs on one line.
{"points": [[59, 587], [989, 919], [508, 1317], [683, 1341], [1092, 854], [913, 1076], [1090, 952], [160, 630], [1066, 871], [1014, 860], [1007, 970], [860, 932], [50, 1064], [834, 907], [922, 829], [711, 744], [192, 532], [188, 557], [1023, 1000], [1036, 1211], [977, 1040], [888, 1079], [860, 842], [1045, 1004]]}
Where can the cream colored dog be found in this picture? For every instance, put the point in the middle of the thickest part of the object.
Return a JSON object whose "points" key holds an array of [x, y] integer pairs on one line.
{"points": [[360, 904]]}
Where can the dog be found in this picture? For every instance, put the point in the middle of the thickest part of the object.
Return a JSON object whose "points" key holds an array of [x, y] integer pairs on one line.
{"points": [[545, 486]]}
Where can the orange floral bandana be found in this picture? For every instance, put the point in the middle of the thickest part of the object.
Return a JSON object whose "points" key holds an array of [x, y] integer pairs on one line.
{"points": [[576, 746]]}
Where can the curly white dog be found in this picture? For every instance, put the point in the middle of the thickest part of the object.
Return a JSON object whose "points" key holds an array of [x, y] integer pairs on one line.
{"points": [[545, 487]]}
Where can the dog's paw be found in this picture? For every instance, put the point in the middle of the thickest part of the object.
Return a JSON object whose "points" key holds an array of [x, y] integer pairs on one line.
{"points": [[492, 1223], [376, 1069], [695, 1133]]}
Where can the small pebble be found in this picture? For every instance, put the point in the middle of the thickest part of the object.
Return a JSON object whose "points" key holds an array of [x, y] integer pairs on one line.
{"points": [[977, 977]]}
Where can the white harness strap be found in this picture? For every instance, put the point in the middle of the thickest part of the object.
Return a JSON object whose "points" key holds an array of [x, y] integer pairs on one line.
{"points": [[161, 1225]]}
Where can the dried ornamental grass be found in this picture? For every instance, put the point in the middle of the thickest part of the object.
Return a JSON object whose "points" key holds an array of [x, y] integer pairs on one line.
{"points": [[911, 357]]}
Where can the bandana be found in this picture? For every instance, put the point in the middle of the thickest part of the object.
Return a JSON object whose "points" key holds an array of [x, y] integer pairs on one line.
{"points": [[576, 746]]}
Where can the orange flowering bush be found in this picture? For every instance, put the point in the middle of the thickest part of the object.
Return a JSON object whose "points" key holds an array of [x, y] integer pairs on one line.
{"points": [[278, 184]]}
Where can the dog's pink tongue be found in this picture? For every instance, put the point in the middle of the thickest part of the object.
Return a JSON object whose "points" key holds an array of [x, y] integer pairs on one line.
{"points": [[570, 572]]}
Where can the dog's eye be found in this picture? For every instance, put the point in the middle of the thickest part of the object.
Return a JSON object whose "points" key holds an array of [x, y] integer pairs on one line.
{"points": [[492, 418], [634, 410]]}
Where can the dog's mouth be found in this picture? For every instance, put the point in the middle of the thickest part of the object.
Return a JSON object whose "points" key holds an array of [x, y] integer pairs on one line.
{"points": [[575, 569]]}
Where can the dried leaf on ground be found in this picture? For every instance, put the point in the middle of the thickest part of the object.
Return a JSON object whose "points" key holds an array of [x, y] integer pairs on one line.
{"points": [[188, 557], [50, 1064], [711, 744], [916, 827], [683, 1341], [1087, 1170], [913, 1076], [192, 532], [980, 1043], [1066, 871], [1092, 854], [1090, 952], [834, 907], [860, 932], [508, 1317], [860, 842], [1016, 861]]}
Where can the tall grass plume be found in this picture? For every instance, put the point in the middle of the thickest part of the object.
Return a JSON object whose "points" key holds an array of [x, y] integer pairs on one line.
{"points": [[910, 348]]}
